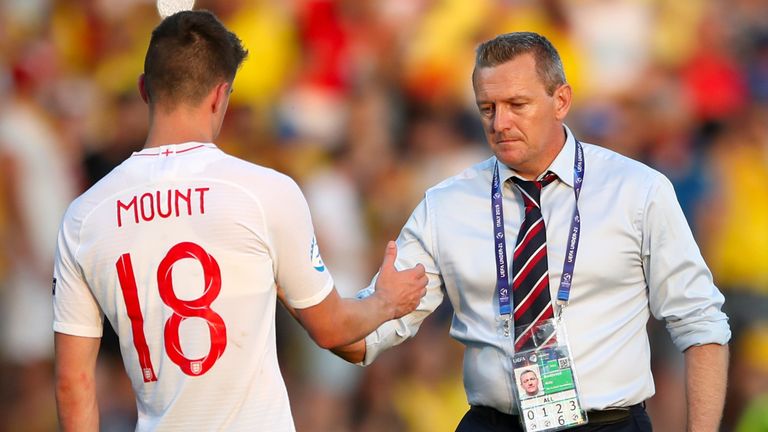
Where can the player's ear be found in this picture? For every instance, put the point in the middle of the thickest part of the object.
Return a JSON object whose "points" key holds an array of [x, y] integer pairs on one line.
{"points": [[143, 89], [221, 97]]}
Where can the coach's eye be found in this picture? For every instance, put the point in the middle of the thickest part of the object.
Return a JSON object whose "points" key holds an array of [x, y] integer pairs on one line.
{"points": [[486, 110]]}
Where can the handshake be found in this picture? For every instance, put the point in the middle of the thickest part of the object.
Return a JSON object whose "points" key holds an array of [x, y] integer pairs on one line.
{"points": [[341, 324], [400, 290]]}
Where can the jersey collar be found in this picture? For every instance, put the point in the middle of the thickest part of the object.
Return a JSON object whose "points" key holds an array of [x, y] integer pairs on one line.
{"points": [[166, 150]]}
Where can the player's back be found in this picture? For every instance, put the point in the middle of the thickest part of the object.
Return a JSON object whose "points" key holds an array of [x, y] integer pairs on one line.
{"points": [[176, 246]]}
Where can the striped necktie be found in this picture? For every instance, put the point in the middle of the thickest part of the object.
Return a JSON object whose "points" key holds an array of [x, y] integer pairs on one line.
{"points": [[530, 275]]}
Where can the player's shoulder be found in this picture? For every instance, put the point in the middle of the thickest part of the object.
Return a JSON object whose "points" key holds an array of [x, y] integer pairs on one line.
{"points": [[117, 180], [253, 176]]}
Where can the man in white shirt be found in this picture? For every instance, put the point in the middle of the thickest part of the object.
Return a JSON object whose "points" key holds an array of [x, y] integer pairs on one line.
{"points": [[183, 248], [616, 221]]}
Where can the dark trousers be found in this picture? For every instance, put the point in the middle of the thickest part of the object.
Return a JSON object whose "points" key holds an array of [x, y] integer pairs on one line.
{"points": [[484, 419]]}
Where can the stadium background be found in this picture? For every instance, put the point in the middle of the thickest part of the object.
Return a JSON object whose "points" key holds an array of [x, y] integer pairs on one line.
{"points": [[367, 103]]}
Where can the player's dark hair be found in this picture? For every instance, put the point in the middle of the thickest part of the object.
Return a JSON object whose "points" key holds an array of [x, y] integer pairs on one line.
{"points": [[506, 47], [189, 53]]}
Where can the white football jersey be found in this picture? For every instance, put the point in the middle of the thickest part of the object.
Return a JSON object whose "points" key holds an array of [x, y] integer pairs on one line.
{"points": [[181, 247]]}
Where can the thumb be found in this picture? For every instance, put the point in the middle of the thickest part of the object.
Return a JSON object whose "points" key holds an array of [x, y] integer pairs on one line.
{"points": [[390, 255]]}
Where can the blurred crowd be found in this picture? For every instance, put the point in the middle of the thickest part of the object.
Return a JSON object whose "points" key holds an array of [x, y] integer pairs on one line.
{"points": [[366, 103]]}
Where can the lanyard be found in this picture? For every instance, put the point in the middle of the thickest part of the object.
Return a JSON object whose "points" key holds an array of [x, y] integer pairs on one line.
{"points": [[500, 250]]}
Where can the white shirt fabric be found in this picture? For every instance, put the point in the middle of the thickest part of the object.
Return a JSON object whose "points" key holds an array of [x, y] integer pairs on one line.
{"points": [[636, 257], [255, 225]]}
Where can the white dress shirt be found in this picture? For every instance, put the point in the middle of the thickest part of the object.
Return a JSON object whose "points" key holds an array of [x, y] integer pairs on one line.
{"points": [[636, 256]]}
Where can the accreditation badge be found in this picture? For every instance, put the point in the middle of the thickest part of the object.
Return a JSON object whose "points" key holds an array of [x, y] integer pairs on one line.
{"points": [[546, 387]]}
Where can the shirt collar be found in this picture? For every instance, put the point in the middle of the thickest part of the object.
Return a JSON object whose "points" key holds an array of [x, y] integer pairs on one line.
{"points": [[562, 165], [173, 148]]}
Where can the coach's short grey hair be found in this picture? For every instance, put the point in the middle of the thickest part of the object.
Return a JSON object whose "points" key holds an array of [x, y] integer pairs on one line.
{"points": [[506, 47]]}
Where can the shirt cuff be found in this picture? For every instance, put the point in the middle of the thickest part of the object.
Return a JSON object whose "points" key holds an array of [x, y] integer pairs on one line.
{"points": [[78, 330], [315, 299], [389, 334], [701, 332]]}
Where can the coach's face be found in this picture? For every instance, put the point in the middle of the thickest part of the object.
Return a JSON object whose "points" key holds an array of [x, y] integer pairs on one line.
{"points": [[522, 122], [530, 382]]}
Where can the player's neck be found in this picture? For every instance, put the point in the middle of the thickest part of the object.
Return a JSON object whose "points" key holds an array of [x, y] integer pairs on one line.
{"points": [[179, 126]]}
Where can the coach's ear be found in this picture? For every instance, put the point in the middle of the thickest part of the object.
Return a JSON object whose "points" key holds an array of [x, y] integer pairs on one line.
{"points": [[143, 89]]}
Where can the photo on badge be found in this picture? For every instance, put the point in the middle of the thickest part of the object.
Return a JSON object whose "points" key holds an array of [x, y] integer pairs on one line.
{"points": [[529, 382]]}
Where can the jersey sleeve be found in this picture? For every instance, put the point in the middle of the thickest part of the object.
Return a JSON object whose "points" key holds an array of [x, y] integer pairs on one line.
{"points": [[299, 267], [75, 310]]}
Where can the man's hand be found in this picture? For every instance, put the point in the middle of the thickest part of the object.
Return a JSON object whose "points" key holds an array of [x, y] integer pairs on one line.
{"points": [[353, 353], [400, 291], [336, 322]]}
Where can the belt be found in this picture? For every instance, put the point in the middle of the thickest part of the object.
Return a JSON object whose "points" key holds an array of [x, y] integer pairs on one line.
{"points": [[612, 415], [606, 416]]}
